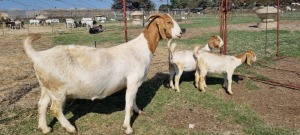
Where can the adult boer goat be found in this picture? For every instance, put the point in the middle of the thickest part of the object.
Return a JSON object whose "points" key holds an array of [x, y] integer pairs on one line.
{"points": [[95, 73]]}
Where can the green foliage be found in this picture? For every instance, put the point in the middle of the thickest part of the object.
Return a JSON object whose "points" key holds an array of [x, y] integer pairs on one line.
{"points": [[164, 7], [133, 5], [190, 4]]}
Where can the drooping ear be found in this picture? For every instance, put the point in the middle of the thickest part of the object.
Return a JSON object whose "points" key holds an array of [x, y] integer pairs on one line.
{"points": [[157, 18], [161, 27], [249, 58], [211, 42]]}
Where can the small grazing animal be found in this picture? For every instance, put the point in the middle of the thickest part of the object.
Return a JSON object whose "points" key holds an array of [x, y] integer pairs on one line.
{"points": [[216, 63]]}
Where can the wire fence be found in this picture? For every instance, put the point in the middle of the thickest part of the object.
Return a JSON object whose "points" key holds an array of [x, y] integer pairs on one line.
{"points": [[289, 20]]}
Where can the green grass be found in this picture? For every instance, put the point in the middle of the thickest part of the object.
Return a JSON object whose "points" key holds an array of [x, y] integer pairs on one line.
{"points": [[213, 20], [106, 116], [250, 85], [82, 38], [264, 43]]}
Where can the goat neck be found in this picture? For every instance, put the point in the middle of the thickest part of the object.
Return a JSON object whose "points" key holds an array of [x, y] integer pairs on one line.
{"points": [[207, 48]]}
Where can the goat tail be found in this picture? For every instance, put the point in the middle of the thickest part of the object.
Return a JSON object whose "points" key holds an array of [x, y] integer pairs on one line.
{"points": [[30, 51], [196, 50]]}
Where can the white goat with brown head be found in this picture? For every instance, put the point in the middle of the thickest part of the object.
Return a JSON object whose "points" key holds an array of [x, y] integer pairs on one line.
{"points": [[216, 63], [95, 73], [183, 60]]}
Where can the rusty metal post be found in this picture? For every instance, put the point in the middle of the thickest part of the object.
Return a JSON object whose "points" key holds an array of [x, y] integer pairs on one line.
{"points": [[221, 21], [223, 24], [278, 7], [125, 20], [225, 29]]}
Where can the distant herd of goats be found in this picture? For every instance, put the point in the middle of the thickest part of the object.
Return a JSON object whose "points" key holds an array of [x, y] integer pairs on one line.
{"points": [[69, 23]]}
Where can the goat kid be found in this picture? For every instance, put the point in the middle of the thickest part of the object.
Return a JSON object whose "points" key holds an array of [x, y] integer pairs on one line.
{"points": [[95, 73], [216, 63], [184, 61]]}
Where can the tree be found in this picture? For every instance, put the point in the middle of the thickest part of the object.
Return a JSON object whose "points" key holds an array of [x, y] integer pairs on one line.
{"points": [[191, 4], [164, 7], [181, 4], [133, 5]]}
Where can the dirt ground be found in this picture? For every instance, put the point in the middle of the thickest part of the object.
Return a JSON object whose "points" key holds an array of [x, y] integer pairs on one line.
{"points": [[277, 105]]}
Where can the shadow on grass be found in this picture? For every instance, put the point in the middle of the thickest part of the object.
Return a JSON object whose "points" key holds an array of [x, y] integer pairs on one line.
{"points": [[115, 102]]}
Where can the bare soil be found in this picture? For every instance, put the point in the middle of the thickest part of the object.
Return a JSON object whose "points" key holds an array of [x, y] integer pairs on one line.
{"points": [[277, 105], [202, 120]]}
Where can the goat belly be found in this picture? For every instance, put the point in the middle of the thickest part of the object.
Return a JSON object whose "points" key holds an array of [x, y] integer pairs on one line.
{"points": [[216, 69], [98, 91]]}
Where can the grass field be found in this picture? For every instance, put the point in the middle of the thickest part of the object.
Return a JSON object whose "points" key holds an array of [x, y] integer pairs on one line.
{"points": [[166, 112]]}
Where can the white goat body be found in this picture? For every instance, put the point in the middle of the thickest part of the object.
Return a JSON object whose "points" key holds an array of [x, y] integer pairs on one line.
{"points": [[35, 22], [92, 73], [184, 60], [216, 63], [88, 22], [49, 21], [70, 23]]}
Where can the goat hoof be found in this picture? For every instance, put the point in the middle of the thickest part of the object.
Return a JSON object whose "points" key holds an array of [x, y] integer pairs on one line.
{"points": [[128, 131], [46, 130], [71, 130], [139, 112]]}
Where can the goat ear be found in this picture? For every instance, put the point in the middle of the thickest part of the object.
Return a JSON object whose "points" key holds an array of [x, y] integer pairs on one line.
{"points": [[162, 28], [249, 58], [211, 42]]}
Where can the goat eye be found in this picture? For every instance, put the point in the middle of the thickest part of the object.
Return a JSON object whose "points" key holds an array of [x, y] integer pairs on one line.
{"points": [[169, 22]]}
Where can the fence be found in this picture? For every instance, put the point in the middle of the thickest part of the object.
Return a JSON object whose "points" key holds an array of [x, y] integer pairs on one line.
{"points": [[288, 21]]}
